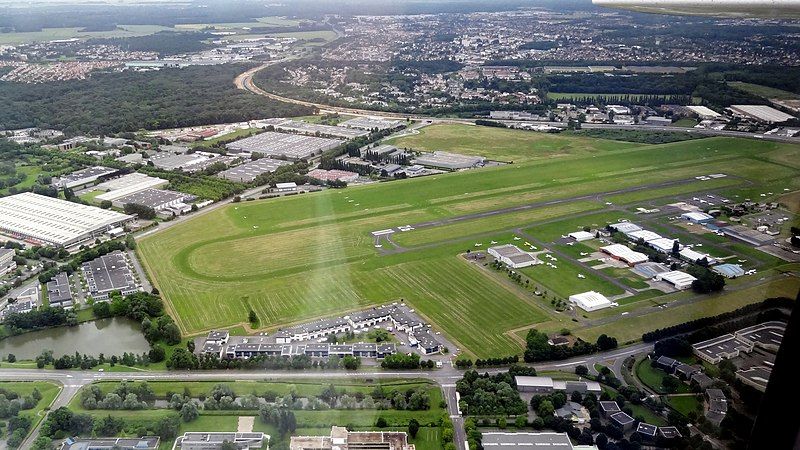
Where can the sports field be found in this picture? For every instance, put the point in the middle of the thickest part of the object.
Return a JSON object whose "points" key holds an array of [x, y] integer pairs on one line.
{"points": [[312, 255]]}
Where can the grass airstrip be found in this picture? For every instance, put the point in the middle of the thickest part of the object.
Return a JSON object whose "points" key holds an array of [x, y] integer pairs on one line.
{"points": [[307, 256]]}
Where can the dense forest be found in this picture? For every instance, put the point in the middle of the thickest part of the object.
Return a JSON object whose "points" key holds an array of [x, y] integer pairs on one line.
{"points": [[128, 101], [164, 43]]}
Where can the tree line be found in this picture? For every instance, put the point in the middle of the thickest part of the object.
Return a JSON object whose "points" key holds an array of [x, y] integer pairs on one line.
{"points": [[109, 103], [774, 303], [537, 347]]}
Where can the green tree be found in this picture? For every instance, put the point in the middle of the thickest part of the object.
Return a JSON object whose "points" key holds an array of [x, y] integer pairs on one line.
{"points": [[189, 412], [42, 443], [545, 409], [252, 317], [413, 428]]}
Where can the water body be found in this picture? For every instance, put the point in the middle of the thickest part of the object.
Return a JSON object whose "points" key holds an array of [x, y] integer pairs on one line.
{"points": [[107, 336]]}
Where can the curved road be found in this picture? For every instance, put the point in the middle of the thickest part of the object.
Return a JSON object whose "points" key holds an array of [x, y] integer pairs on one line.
{"points": [[73, 381]]}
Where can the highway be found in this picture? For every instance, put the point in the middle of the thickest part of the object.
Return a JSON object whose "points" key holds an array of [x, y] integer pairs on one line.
{"points": [[446, 377], [245, 82]]}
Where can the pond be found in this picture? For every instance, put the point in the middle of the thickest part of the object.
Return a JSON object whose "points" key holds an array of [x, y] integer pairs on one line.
{"points": [[107, 336]]}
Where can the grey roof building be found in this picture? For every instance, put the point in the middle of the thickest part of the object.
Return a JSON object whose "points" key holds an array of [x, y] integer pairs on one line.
{"points": [[544, 440], [58, 291], [143, 443], [214, 440], [109, 273], [248, 171], [158, 199]]}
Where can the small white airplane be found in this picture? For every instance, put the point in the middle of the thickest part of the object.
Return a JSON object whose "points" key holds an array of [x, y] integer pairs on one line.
{"points": [[570, 244], [555, 266], [493, 242], [609, 203], [478, 244], [584, 254], [516, 238], [580, 275]]}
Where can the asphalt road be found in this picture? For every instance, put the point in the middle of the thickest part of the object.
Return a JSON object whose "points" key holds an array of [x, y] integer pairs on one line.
{"points": [[446, 377]]}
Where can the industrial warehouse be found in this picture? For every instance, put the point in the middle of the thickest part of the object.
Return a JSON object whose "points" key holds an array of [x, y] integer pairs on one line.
{"points": [[315, 129], [50, 221], [449, 161], [248, 171], [158, 200], [83, 177], [371, 123], [291, 146], [128, 184]]}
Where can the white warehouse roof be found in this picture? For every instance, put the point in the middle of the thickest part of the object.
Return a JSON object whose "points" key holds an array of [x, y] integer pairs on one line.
{"points": [[127, 185], [762, 112], [590, 301], [693, 256], [680, 280], [704, 111], [697, 216], [645, 235], [663, 244], [625, 227], [53, 221], [581, 235], [624, 253]]}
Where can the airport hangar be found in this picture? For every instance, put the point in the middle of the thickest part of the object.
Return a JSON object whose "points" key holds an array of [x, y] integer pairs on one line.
{"points": [[50, 221]]}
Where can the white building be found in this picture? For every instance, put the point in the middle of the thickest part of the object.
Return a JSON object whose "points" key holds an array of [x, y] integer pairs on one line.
{"points": [[643, 235], [762, 113], [512, 256], [693, 256], [581, 236], [51, 221], [286, 187], [590, 301], [7, 263], [681, 280], [664, 245], [127, 185], [697, 217], [624, 253], [704, 112]]}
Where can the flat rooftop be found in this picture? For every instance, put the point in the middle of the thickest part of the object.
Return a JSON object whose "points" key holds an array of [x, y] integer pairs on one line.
{"points": [[58, 290], [293, 146], [154, 198], [248, 171], [52, 220], [109, 273], [501, 440]]}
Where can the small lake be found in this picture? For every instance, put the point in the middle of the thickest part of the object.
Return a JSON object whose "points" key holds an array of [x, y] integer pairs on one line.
{"points": [[107, 336]]}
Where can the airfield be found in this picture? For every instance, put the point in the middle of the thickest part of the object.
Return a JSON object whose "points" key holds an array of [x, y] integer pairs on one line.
{"points": [[314, 255]]}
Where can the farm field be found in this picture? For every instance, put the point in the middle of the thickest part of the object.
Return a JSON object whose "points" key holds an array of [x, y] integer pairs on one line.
{"points": [[50, 34], [302, 257], [507, 144], [764, 91]]}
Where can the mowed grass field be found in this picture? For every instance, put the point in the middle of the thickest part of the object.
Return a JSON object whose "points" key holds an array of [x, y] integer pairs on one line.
{"points": [[301, 257], [503, 144]]}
